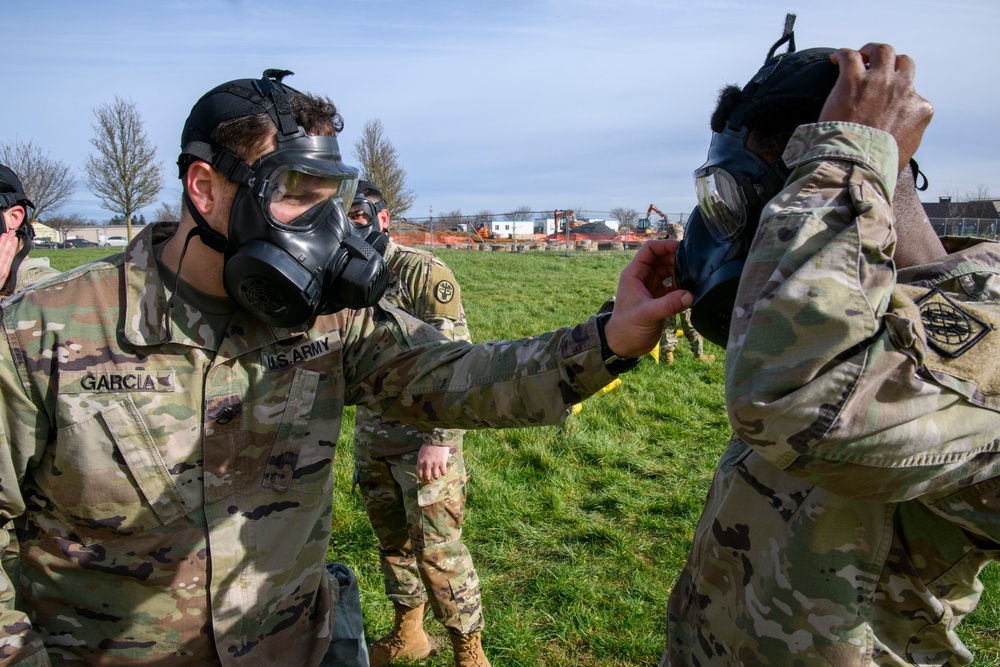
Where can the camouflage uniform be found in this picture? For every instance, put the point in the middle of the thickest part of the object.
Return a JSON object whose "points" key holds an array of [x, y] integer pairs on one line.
{"points": [[668, 339], [858, 500], [171, 482], [419, 526], [33, 270]]}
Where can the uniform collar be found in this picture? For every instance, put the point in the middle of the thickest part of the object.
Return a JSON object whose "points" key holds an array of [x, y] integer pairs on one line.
{"points": [[146, 319]]}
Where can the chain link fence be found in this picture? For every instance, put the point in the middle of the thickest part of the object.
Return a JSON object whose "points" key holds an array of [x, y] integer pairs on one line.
{"points": [[985, 228]]}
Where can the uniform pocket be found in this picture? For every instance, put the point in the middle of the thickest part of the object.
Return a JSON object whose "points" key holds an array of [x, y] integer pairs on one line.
{"points": [[106, 478], [302, 458], [779, 490], [450, 487]]}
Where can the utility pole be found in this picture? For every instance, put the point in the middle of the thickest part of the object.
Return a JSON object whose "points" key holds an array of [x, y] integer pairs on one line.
{"points": [[431, 222]]}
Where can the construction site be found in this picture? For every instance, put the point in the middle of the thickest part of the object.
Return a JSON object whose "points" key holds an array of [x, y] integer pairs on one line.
{"points": [[559, 230]]}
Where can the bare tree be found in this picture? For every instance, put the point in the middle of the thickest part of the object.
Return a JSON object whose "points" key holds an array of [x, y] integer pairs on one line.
{"points": [[380, 164], [48, 183], [124, 174], [65, 223], [519, 213], [169, 212], [484, 216], [978, 204], [449, 220], [626, 216]]}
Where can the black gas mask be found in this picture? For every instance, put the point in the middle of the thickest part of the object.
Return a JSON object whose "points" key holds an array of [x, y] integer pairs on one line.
{"points": [[734, 184], [289, 253], [363, 216]]}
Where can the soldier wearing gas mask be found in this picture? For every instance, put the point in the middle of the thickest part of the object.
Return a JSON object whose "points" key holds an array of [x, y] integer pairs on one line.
{"points": [[17, 271], [170, 416], [413, 483], [856, 503]]}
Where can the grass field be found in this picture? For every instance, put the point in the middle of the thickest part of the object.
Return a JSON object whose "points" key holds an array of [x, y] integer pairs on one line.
{"points": [[578, 531]]}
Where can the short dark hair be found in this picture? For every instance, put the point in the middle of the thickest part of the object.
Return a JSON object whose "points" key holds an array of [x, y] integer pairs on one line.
{"points": [[249, 136], [771, 121]]}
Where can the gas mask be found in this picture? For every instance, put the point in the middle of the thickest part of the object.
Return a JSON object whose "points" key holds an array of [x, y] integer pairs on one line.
{"points": [[734, 184], [289, 253], [363, 216]]}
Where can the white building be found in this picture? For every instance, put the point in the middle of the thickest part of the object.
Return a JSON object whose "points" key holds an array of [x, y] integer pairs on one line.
{"points": [[503, 229]]}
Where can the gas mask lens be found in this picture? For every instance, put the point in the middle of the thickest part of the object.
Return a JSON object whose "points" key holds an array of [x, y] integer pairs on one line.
{"points": [[296, 194], [362, 213], [721, 202]]}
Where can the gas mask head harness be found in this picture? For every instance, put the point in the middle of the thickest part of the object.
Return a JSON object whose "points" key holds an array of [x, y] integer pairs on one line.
{"points": [[734, 184], [289, 252], [12, 194]]}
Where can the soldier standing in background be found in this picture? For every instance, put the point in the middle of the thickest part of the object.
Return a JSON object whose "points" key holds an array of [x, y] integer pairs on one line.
{"points": [[413, 481], [668, 341], [16, 233]]}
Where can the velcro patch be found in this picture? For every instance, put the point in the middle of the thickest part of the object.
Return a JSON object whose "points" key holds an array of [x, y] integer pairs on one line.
{"points": [[444, 291], [297, 354], [116, 382], [951, 329]]}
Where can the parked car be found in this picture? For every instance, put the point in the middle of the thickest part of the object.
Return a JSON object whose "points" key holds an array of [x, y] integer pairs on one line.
{"points": [[113, 241], [78, 243], [44, 242]]}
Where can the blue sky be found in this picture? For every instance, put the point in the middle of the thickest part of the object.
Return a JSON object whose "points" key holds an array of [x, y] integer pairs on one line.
{"points": [[493, 105]]}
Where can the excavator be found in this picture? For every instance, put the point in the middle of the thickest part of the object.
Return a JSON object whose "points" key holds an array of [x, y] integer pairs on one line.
{"points": [[649, 221], [564, 218]]}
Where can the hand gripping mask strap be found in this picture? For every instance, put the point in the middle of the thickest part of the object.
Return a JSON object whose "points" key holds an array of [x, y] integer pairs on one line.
{"points": [[26, 232]]}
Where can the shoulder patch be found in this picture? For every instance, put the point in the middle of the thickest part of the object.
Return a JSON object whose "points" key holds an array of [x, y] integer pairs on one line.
{"points": [[444, 291], [951, 329]]}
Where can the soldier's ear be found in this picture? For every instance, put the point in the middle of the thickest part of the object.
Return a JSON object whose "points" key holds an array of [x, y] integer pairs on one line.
{"points": [[13, 217], [206, 188], [383, 220]]}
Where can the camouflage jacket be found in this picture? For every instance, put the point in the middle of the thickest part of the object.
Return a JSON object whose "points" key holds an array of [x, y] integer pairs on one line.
{"points": [[34, 270], [854, 508], [425, 287], [31, 271], [172, 492]]}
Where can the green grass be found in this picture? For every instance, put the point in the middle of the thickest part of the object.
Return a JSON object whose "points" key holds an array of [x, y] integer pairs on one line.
{"points": [[578, 531]]}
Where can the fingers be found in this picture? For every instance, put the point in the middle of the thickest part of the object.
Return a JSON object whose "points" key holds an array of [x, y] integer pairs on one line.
{"points": [[432, 463], [8, 248], [850, 62], [875, 88]]}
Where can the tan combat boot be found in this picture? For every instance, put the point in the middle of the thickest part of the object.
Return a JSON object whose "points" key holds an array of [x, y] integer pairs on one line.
{"points": [[668, 358], [706, 357], [406, 640], [469, 650]]}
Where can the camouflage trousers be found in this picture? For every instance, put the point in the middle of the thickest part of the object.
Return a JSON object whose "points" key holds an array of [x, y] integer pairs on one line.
{"points": [[419, 530], [668, 339]]}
